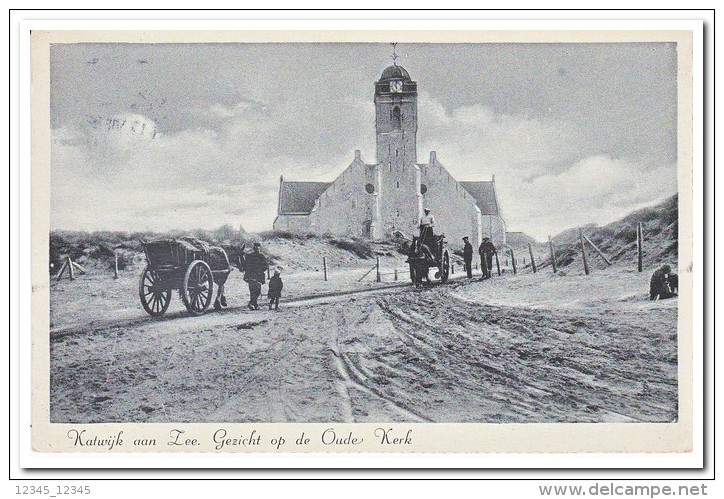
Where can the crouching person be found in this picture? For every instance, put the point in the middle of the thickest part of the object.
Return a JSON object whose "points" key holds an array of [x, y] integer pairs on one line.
{"points": [[664, 284], [275, 289]]}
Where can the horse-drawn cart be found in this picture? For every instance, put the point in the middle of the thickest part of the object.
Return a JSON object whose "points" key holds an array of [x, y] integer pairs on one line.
{"points": [[186, 264], [425, 253]]}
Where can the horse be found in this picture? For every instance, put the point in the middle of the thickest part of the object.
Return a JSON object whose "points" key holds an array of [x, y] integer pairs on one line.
{"points": [[238, 261], [420, 259]]}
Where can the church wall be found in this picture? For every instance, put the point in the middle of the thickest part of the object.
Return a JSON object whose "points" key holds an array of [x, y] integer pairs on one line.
{"points": [[292, 223], [346, 208], [398, 199], [455, 211]]}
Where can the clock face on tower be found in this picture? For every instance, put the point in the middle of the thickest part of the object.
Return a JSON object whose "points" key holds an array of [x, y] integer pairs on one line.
{"points": [[395, 87]]}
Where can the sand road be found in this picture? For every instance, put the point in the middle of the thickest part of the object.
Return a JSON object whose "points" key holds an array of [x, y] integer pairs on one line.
{"points": [[443, 354]]}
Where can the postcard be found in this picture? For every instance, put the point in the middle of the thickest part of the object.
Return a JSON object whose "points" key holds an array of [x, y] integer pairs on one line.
{"points": [[362, 241]]}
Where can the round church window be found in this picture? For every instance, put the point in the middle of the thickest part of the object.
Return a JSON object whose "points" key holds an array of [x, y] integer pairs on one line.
{"points": [[423, 188], [370, 188]]}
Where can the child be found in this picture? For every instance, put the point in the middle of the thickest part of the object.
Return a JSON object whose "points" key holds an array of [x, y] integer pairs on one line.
{"points": [[275, 289]]}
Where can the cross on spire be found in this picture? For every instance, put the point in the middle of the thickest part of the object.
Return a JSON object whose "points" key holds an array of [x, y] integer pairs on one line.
{"points": [[394, 54]]}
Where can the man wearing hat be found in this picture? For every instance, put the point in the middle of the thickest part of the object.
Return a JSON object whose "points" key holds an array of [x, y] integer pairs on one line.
{"points": [[255, 266], [427, 223], [468, 257], [486, 251]]}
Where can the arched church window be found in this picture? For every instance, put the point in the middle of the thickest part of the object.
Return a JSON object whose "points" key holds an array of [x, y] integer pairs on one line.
{"points": [[370, 188], [423, 188], [396, 118]]}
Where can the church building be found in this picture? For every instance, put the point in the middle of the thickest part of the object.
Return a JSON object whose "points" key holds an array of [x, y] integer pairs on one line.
{"points": [[374, 200]]}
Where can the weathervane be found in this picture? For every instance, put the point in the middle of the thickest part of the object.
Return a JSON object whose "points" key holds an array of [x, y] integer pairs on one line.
{"points": [[394, 54]]}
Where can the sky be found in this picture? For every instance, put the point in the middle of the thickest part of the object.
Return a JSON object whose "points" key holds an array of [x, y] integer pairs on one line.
{"points": [[185, 136]]}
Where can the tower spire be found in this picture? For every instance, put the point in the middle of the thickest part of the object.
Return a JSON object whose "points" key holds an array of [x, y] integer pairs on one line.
{"points": [[394, 53]]}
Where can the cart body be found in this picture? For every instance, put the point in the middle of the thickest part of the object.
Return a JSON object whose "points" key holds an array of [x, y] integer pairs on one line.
{"points": [[187, 264]]}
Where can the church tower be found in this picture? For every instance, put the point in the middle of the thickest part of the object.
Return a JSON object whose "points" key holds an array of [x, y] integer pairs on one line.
{"points": [[396, 117], [398, 201]]}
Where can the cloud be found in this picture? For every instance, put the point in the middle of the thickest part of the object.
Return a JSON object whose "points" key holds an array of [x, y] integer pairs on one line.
{"points": [[120, 172], [596, 189], [548, 177], [481, 141]]}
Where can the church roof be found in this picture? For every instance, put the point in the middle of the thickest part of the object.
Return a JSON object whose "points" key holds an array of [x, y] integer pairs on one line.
{"points": [[299, 197], [395, 72], [484, 195]]}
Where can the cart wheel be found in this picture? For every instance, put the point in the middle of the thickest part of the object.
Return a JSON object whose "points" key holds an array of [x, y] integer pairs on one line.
{"points": [[154, 298], [198, 287], [445, 267]]}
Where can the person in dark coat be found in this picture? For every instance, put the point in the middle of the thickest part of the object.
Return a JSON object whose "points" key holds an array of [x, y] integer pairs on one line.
{"points": [[661, 284], [468, 257], [255, 266], [486, 251], [275, 289]]}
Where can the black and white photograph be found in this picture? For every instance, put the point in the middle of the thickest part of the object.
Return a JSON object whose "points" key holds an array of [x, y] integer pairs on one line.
{"points": [[393, 231]]}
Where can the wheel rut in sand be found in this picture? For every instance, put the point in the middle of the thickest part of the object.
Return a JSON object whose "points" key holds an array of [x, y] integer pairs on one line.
{"points": [[562, 365], [354, 377]]}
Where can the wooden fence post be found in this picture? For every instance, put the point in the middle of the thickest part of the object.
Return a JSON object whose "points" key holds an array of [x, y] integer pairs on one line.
{"points": [[600, 253], [324, 265], [62, 269], [379, 277], [497, 262], [553, 254], [583, 251], [640, 247], [367, 273], [115, 265], [532, 260], [395, 274], [452, 268], [512, 259], [70, 268]]}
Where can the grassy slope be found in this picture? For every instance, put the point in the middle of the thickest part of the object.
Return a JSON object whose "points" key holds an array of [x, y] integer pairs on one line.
{"points": [[617, 240]]}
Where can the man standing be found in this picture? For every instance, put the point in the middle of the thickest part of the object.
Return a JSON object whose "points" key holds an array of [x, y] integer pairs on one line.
{"points": [[255, 266], [427, 223], [486, 251], [468, 257]]}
